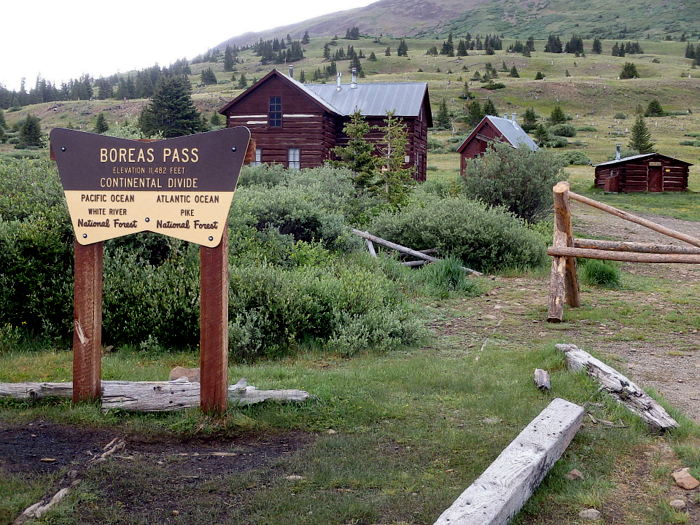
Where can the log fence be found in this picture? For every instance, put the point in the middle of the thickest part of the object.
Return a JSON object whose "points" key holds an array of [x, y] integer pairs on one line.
{"points": [[563, 284]]}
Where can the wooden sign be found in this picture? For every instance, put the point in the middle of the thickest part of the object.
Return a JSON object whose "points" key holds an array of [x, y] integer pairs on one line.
{"points": [[181, 187]]}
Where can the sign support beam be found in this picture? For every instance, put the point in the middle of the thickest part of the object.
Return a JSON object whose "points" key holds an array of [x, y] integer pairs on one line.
{"points": [[213, 326], [87, 321]]}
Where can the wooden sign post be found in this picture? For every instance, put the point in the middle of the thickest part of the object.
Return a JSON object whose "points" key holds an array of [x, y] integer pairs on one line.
{"points": [[181, 187]]}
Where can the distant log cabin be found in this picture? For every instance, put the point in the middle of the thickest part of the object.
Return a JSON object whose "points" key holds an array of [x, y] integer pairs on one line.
{"points": [[647, 172], [488, 130], [298, 125]]}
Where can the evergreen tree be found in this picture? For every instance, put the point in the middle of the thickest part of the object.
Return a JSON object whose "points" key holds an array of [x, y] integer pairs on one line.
{"points": [[529, 119], [514, 72], [302, 77], [640, 139], [395, 179], [208, 76], [242, 82], [597, 46], [372, 57], [171, 110], [539, 76], [326, 51], [690, 51], [654, 109], [553, 45], [3, 122], [461, 49], [229, 59], [387, 51], [629, 70], [215, 120], [442, 119], [474, 113], [30, 132], [3, 136], [557, 116], [530, 44], [402, 50], [489, 108], [305, 39], [466, 94], [101, 124], [358, 154], [448, 47], [541, 135]]}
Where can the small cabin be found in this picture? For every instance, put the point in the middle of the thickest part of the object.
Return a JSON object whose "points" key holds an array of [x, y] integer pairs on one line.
{"points": [[646, 172], [298, 125], [492, 129]]}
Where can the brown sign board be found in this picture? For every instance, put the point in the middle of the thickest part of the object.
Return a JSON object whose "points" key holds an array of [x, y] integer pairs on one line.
{"points": [[181, 187]]}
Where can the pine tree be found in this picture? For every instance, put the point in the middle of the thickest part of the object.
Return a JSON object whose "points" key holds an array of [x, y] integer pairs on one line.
{"points": [[529, 119], [541, 135], [474, 113], [372, 57], [305, 39], [690, 51], [530, 44], [629, 70], [402, 50], [597, 46], [514, 72], [358, 155], [171, 110], [654, 109], [101, 124], [466, 94], [557, 116], [229, 59], [3, 122], [461, 49], [539, 76], [208, 76], [490, 108], [387, 51], [395, 178], [242, 82], [30, 132], [640, 139], [302, 77], [215, 119], [442, 120]]}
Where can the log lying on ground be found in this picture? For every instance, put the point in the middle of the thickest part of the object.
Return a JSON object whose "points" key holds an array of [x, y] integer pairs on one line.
{"points": [[152, 396], [624, 390], [639, 247], [638, 220], [403, 249], [504, 487], [541, 379], [624, 256]]}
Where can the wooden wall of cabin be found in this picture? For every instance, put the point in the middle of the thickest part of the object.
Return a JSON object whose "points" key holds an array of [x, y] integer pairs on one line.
{"points": [[635, 175], [478, 144]]}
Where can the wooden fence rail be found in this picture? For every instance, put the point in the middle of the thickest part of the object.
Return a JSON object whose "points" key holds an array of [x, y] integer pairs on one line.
{"points": [[563, 284]]}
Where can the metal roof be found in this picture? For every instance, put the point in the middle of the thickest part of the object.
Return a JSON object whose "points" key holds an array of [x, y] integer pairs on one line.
{"points": [[405, 99], [512, 132], [640, 156]]}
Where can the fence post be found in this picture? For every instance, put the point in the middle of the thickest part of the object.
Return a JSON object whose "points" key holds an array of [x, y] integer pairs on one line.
{"points": [[563, 283]]}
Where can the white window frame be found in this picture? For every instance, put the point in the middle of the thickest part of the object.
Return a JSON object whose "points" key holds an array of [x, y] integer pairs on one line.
{"points": [[294, 158], [258, 157]]}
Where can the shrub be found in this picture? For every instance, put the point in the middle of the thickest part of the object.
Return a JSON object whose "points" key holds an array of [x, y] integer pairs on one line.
{"points": [[558, 142], [619, 116], [605, 274], [267, 175], [515, 178], [494, 85], [483, 238], [574, 157], [587, 128], [445, 276], [563, 130]]}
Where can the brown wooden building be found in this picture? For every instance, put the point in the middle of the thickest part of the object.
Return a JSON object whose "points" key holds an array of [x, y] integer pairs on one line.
{"points": [[298, 125], [646, 172], [489, 129]]}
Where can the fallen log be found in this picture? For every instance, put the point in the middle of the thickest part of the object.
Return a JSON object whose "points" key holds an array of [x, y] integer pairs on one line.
{"points": [[640, 247], [620, 387], [403, 249], [541, 379], [504, 487], [152, 396], [638, 220], [624, 256]]}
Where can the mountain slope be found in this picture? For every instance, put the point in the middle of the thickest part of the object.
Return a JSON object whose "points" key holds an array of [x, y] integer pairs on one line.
{"points": [[516, 18]]}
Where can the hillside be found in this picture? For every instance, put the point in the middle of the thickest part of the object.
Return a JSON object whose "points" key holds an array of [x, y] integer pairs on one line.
{"points": [[515, 18]]}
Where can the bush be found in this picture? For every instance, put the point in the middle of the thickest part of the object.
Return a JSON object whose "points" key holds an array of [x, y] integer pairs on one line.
{"points": [[604, 274], [483, 238], [267, 175], [515, 178], [558, 142], [587, 128], [494, 85], [578, 158], [445, 276], [619, 116], [563, 130]]}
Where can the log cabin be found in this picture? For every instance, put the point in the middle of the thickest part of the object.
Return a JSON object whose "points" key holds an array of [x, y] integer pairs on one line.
{"points": [[488, 130], [651, 172], [298, 125]]}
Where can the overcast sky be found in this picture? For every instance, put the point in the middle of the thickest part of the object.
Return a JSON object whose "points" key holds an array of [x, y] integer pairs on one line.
{"points": [[64, 39]]}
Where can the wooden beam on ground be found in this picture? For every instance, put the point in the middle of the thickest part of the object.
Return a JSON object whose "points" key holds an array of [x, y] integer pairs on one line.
{"points": [[370, 248], [152, 396], [695, 241], [87, 320], [403, 249], [639, 247], [414, 263], [504, 487], [625, 256], [621, 388], [213, 325]]}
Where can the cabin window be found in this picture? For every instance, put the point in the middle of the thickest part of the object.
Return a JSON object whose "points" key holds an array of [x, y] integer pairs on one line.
{"points": [[274, 115], [258, 157], [293, 158]]}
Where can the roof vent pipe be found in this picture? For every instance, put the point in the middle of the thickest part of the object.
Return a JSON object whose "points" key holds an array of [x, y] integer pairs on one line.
{"points": [[291, 71], [353, 84], [514, 117], [618, 155], [337, 81]]}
